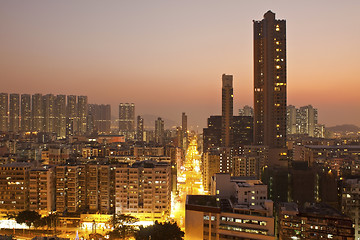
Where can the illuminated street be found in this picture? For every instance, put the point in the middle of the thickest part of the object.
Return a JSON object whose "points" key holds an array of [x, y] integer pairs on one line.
{"points": [[189, 181]]}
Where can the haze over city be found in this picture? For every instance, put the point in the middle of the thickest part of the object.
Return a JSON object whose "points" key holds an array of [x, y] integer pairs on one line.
{"points": [[168, 56]]}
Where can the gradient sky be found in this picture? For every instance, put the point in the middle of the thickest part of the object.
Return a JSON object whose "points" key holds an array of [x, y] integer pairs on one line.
{"points": [[168, 56]]}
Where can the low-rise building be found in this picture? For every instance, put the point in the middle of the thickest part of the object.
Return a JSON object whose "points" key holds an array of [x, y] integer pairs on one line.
{"points": [[237, 209]]}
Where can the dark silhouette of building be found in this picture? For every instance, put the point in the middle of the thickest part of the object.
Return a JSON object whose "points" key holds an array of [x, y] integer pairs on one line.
{"points": [[270, 81], [227, 110]]}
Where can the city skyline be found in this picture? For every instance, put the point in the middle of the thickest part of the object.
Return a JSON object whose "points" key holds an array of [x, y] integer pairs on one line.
{"points": [[167, 58]]}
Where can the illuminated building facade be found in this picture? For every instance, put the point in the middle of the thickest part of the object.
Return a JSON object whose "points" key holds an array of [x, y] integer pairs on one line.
{"points": [[308, 120], [313, 221], [49, 112], [159, 131], [82, 114], [127, 119], [237, 209], [212, 134], [72, 117], [291, 120], [144, 190], [25, 112], [211, 165], [4, 108], [101, 115], [42, 190], [37, 113], [60, 116], [140, 129], [14, 114], [270, 81], [350, 202], [14, 187]]}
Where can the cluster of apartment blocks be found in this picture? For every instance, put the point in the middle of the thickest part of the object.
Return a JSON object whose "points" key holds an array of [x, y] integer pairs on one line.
{"points": [[60, 114], [302, 120], [142, 189]]}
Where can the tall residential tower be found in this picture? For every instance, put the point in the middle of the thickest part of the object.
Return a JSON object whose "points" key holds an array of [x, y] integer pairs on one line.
{"points": [[270, 81], [227, 110], [127, 119]]}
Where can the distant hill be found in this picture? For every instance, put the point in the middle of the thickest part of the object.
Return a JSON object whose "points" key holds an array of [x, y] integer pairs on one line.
{"points": [[344, 128]]}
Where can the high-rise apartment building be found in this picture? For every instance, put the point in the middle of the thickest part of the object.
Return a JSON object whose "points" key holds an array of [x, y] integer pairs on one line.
{"points": [[37, 113], [82, 114], [184, 122], [101, 116], [159, 131], [4, 107], [227, 110], [212, 134], [25, 112], [14, 113], [140, 129], [184, 127], [303, 120], [60, 116], [291, 120], [308, 120], [270, 81], [127, 119], [72, 117], [49, 112]]}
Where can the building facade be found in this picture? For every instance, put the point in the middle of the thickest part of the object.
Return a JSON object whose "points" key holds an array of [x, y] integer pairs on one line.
{"points": [[127, 119], [270, 81]]}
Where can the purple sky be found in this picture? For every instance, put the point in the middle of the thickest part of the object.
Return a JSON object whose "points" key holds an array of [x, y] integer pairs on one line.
{"points": [[168, 56]]}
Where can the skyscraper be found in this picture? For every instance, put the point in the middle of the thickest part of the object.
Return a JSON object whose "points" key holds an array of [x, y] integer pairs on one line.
{"points": [[48, 111], [127, 119], [184, 122], [4, 106], [60, 116], [227, 110], [101, 115], [270, 81], [140, 129], [25, 112], [82, 113], [291, 116], [308, 120], [14, 114], [71, 115], [37, 113], [159, 131]]}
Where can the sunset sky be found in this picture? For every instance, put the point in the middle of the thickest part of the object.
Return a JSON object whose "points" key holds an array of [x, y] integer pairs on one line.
{"points": [[168, 56]]}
